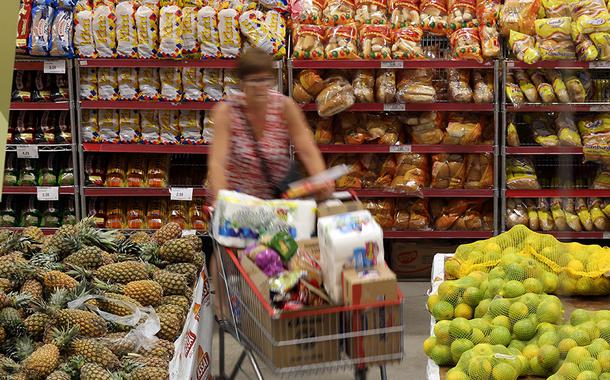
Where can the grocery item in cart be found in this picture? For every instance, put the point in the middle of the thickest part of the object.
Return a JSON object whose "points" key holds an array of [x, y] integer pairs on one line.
{"points": [[433, 15], [521, 174], [376, 42], [228, 32], [371, 12], [339, 12], [385, 86], [341, 42], [147, 25], [459, 85], [555, 38], [415, 85], [448, 171], [129, 126], [149, 84], [407, 43], [127, 83], [336, 97], [107, 83], [62, 32], [170, 31], [404, 13], [109, 125], [40, 32], [104, 30], [412, 215], [116, 172], [171, 84], [207, 32], [309, 42], [411, 172], [466, 44], [523, 47], [192, 84], [149, 124]]}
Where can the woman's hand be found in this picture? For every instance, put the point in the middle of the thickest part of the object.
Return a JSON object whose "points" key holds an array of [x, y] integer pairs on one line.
{"points": [[326, 192]]}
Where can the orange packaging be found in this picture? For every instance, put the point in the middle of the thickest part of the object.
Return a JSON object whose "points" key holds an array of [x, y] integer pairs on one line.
{"points": [[115, 214], [376, 42], [339, 12], [466, 44], [407, 43], [178, 214], [115, 174], [462, 14], [309, 42], [136, 214], [371, 12], [312, 14], [342, 42], [487, 12], [157, 171], [198, 215], [433, 15], [136, 172], [155, 215], [404, 13]]}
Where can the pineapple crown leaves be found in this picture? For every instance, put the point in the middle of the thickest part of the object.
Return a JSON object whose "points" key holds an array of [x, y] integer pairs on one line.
{"points": [[19, 243], [19, 348], [46, 260], [80, 273], [63, 337], [19, 300], [101, 285], [129, 247]]}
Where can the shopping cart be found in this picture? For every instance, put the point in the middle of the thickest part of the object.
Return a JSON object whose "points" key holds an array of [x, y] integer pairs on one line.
{"points": [[304, 342]]}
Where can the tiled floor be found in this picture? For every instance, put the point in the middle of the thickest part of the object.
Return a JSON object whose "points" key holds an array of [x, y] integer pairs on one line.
{"points": [[413, 366]]}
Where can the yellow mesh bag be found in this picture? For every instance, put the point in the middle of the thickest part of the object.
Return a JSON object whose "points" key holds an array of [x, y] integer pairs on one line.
{"points": [[486, 361]]}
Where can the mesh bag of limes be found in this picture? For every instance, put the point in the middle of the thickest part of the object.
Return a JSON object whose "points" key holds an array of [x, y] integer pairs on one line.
{"points": [[499, 319]]}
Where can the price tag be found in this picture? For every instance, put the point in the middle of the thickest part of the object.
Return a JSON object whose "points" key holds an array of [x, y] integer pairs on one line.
{"points": [[600, 108], [84, 63], [189, 232], [54, 67], [181, 193], [47, 193], [510, 64], [599, 65], [606, 235], [392, 65], [400, 149], [394, 107], [27, 151]]}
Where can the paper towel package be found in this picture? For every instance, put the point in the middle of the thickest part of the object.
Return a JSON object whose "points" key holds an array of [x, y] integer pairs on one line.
{"points": [[240, 219], [343, 237]]}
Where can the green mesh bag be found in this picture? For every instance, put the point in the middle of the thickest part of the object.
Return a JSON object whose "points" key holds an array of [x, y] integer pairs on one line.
{"points": [[486, 361]]}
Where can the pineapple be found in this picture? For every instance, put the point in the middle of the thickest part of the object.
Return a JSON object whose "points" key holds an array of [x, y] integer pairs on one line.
{"points": [[168, 232], [91, 371], [181, 301], [2, 335], [140, 238], [33, 288], [12, 321], [191, 271], [195, 242], [172, 309], [172, 283], [162, 348], [199, 259], [42, 362], [33, 233], [63, 241], [170, 326], [86, 257], [36, 323], [58, 280], [6, 285], [123, 272], [119, 343], [59, 375], [114, 304], [147, 292], [177, 251], [89, 324], [94, 352], [150, 373], [107, 258], [148, 361]]}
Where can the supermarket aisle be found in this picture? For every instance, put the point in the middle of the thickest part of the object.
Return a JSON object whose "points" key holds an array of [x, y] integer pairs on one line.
{"points": [[417, 322]]}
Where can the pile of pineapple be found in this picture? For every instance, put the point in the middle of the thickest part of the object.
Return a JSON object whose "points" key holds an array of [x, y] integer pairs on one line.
{"points": [[42, 337]]}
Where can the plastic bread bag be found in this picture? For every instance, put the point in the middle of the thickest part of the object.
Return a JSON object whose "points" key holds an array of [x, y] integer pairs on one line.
{"points": [[108, 122], [459, 85], [518, 16], [40, 32], [566, 130], [520, 174], [516, 213], [190, 127], [228, 32], [364, 85], [531, 217], [90, 129], [490, 41], [426, 128], [448, 171], [466, 44], [483, 86], [128, 83], [24, 23], [487, 12], [311, 81], [104, 30], [585, 49], [557, 8], [147, 25], [339, 12], [575, 86], [415, 85], [383, 210], [597, 216], [583, 214], [352, 129], [149, 125], [382, 129], [591, 16], [253, 27], [213, 84], [323, 129], [602, 43], [309, 43], [275, 5], [149, 84], [545, 89], [527, 87], [156, 214], [543, 134], [559, 86], [554, 39], [129, 126], [84, 44], [463, 129], [170, 32], [208, 129], [192, 84], [385, 86], [371, 12], [407, 43], [190, 34], [404, 13], [171, 84], [230, 83], [88, 84], [60, 88], [342, 42], [277, 26], [207, 32], [336, 97], [62, 33], [299, 94], [479, 171], [126, 33], [411, 172], [524, 47], [311, 12], [433, 15], [419, 216], [545, 217], [107, 83], [462, 14], [169, 125]]}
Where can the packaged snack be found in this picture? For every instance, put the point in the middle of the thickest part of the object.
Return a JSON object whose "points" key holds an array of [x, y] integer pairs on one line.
{"points": [[178, 214], [129, 124], [136, 214], [490, 41], [339, 12], [559, 86], [127, 33], [448, 171], [190, 39], [376, 42], [352, 129], [157, 173], [30, 215], [341, 42], [364, 84], [463, 129], [170, 32], [192, 84], [383, 129], [518, 16], [277, 26], [198, 215], [65, 131], [46, 128], [459, 85], [385, 86], [23, 26], [24, 127], [136, 172], [116, 172], [575, 86], [108, 122], [555, 39], [483, 86], [433, 15], [487, 12], [323, 129], [169, 124], [415, 85], [88, 84], [412, 215], [311, 12], [407, 43], [557, 8], [62, 33], [22, 86], [513, 91], [521, 174], [336, 97], [585, 50], [47, 172], [583, 214], [466, 44], [127, 83], [213, 84], [228, 32], [230, 83], [527, 86], [599, 219], [479, 171], [545, 90], [566, 130], [147, 25], [156, 214], [107, 83], [42, 87], [591, 16], [371, 12], [84, 44], [411, 172], [190, 127], [208, 129], [462, 14], [309, 43], [104, 30], [149, 124], [115, 214], [602, 43], [171, 84], [253, 27], [90, 129], [40, 32], [149, 84], [60, 88], [383, 210], [404, 13], [425, 128], [207, 32]]}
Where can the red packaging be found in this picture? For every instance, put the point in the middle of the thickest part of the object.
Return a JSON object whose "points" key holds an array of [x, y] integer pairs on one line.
{"points": [[24, 23]]}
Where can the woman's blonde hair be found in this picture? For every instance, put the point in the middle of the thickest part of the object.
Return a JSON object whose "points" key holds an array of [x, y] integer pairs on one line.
{"points": [[254, 61]]}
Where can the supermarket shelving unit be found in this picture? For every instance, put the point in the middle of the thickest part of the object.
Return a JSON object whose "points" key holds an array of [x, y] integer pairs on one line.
{"points": [[440, 106]]}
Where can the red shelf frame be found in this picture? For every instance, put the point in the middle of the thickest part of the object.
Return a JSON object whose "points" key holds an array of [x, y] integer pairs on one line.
{"points": [[379, 64], [441, 106], [415, 148], [135, 191], [389, 234], [577, 235], [146, 105], [557, 193], [40, 106], [571, 107], [29, 65], [32, 189], [45, 230], [427, 193], [146, 148], [537, 150], [207, 63], [552, 65]]}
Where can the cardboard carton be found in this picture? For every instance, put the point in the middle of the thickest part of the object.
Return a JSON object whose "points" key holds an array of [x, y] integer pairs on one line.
{"points": [[413, 260], [376, 285]]}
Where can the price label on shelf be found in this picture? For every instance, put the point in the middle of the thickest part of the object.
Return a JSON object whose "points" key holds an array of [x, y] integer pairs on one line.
{"points": [[599, 65], [606, 235], [189, 232], [181, 193], [27, 151], [600, 108], [47, 193], [400, 149], [54, 67], [394, 107], [392, 64]]}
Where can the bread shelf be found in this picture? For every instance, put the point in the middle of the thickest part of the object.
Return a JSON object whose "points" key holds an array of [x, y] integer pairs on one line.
{"points": [[426, 193], [146, 148], [42, 147], [136, 191], [401, 107], [557, 193], [145, 105], [542, 150], [388, 64], [208, 63], [414, 148], [33, 189], [390, 234], [559, 65], [40, 106], [559, 107]]}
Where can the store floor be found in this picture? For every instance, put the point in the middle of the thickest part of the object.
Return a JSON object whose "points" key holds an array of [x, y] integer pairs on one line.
{"points": [[413, 365]]}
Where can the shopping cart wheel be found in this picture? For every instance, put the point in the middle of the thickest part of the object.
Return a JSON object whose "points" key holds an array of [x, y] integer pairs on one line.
{"points": [[360, 373]]}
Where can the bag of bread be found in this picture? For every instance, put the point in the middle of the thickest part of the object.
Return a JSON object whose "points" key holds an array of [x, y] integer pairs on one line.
{"points": [[521, 174], [228, 32], [149, 84], [299, 94], [602, 43], [322, 127], [404, 13], [527, 87], [483, 86], [309, 43], [523, 47], [230, 83], [147, 25], [341, 42], [385, 86], [490, 41], [371, 12], [127, 33], [545, 216], [311, 12], [88, 84], [310, 81], [518, 16], [591, 16], [336, 97], [559, 86], [129, 126], [171, 84], [407, 43], [156, 213], [459, 85], [364, 84], [462, 14], [411, 172], [213, 84], [339, 12], [207, 32], [433, 15], [448, 171], [277, 26], [115, 214], [576, 88], [253, 27], [128, 83], [382, 129], [84, 45], [383, 210], [192, 84], [555, 39], [108, 122], [352, 128], [190, 127], [169, 124], [516, 214], [136, 214], [40, 32], [543, 134], [90, 130], [104, 30], [190, 33], [557, 8], [466, 44], [415, 86], [513, 91], [376, 42], [487, 12], [479, 171], [425, 128], [116, 172], [545, 89], [418, 215], [463, 129], [61, 44], [208, 129], [149, 126], [170, 32], [107, 83], [567, 132]]}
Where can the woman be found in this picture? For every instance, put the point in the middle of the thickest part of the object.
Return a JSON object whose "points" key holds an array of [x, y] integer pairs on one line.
{"points": [[252, 134]]}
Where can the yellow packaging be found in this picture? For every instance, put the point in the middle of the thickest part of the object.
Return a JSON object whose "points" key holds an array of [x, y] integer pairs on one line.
{"points": [[88, 84], [190, 41], [192, 84], [169, 124], [90, 130], [128, 83], [149, 127], [84, 44], [524, 47], [207, 32], [107, 83], [213, 84], [129, 126], [127, 33], [253, 27], [149, 84], [108, 122], [602, 43], [171, 84], [170, 32], [228, 32], [277, 25], [553, 28], [104, 30], [147, 27]]}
